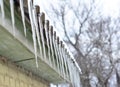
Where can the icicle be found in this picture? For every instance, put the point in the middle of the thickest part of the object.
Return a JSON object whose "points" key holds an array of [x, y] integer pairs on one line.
{"points": [[47, 39], [51, 45], [65, 65], [2, 9], [12, 15], [35, 19], [56, 51], [73, 76], [78, 78], [56, 54], [61, 58], [23, 16], [33, 30], [70, 70], [64, 61], [41, 19]]}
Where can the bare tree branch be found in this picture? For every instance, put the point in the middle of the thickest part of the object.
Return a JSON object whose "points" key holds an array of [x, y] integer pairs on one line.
{"points": [[93, 54]]}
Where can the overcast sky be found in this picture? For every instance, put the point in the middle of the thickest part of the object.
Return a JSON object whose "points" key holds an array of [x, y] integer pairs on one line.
{"points": [[108, 7]]}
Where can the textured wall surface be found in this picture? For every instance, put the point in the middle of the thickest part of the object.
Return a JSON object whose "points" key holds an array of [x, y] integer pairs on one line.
{"points": [[11, 76]]}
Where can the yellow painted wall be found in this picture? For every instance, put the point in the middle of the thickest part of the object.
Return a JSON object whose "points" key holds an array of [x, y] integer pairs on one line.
{"points": [[11, 76]]}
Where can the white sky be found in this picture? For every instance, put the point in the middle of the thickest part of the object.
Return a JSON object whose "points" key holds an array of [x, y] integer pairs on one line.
{"points": [[111, 7], [108, 7]]}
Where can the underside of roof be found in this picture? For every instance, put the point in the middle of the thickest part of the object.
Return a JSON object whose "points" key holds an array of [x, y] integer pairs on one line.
{"points": [[57, 67], [12, 48]]}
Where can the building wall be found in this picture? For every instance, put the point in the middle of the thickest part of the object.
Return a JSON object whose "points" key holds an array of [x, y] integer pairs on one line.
{"points": [[12, 76]]}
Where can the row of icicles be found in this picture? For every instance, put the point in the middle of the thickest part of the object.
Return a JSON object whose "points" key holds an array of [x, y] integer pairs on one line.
{"points": [[56, 55]]}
